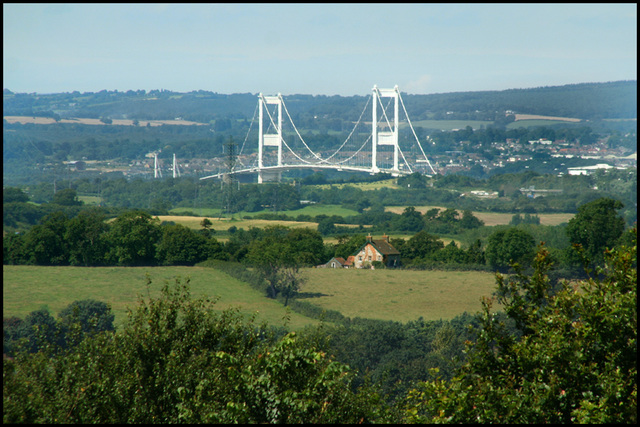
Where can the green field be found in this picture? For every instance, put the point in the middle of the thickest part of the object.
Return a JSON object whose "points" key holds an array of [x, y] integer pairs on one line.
{"points": [[311, 210], [90, 200], [28, 288], [399, 295]]}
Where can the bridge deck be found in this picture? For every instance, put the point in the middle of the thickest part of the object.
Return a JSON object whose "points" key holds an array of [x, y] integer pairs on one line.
{"points": [[287, 167]]}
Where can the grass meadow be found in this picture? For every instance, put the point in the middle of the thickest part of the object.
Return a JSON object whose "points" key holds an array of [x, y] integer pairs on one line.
{"points": [[29, 288], [399, 295]]}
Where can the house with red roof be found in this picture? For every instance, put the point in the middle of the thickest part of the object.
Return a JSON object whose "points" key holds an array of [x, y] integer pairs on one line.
{"points": [[376, 250]]}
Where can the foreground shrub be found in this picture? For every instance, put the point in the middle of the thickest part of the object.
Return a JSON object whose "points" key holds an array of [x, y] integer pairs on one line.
{"points": [[179, 360], [574, 359]]}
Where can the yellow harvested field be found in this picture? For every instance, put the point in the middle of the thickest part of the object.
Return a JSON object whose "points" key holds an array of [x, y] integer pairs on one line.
{"points": [[536, 117], [121, 122], [494, 218], [491, 218], [220, 224]]}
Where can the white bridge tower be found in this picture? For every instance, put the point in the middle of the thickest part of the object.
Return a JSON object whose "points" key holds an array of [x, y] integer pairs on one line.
{"points": [[269, 139], [389, 137]]}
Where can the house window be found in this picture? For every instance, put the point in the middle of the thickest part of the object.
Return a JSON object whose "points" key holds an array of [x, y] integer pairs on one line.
{"points": [[369, 257], [360, 258]]}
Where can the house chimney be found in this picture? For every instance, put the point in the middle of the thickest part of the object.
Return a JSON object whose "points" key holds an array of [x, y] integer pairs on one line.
{"points": [[369, 238], [385, 237]]}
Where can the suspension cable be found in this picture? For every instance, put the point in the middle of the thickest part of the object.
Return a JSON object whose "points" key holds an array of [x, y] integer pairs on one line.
{"points": [[414, 134], [384, 112], [354, 154], [352, 131], [298, 133], [405, 160], [247, 137], [326, 160]]}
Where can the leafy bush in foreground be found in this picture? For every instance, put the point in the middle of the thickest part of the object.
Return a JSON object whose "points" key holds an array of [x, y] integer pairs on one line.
{"points": [[575, 359], [177, 360]]}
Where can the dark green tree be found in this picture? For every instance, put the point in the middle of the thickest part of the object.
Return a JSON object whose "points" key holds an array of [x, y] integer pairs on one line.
{"points": [[277, 261], [85, 236], [132, 239], [307, 246], [449, 216], [451, 253], [326, 227], [66, 197], [44, 244], [14, 194], [348, 244], [469, 220], [410, 220], [13, 249], [206, 224], [40, 330], [180, 245], [421, 245], [93, 316], [596, 226], [475, 254], [506, 247], [82, 319]]}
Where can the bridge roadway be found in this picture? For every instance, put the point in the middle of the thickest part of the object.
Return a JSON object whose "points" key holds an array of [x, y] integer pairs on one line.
{"points": [[287, 167]]}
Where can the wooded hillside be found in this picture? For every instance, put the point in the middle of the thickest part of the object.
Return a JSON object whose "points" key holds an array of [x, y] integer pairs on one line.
{"points": [[584, 101]]}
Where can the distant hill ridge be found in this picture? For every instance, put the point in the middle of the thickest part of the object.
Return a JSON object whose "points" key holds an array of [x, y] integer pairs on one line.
{"points": [[586, 101]]}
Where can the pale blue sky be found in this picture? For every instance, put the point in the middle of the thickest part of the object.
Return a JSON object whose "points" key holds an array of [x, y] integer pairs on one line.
{"points": [[330, 49]]}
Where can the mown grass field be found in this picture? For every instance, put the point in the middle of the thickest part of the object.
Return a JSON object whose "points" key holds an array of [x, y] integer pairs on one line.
{"points": [[377, 294], [400, 295], [28, 288]]}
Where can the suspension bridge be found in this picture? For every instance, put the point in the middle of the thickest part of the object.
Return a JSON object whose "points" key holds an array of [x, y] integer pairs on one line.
{"points": [[373, 147]]}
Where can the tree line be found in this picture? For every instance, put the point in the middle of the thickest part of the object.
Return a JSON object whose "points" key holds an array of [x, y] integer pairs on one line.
{"points": [[159, 196], [84, 237]]}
